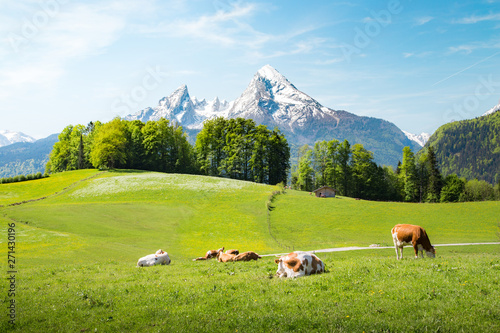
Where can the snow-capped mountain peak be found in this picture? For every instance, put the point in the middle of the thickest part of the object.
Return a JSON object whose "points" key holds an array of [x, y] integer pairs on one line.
{"points": [[269, 99], [272, 75], [420, 139], [10, 137], [180, 107], [272, 100]]}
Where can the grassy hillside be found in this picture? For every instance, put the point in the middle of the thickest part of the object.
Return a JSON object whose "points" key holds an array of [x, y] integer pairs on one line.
{"points": [[76, 252]]}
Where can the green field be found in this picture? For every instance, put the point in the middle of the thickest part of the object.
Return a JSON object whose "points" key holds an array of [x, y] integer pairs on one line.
{"points": [[77, 247]]}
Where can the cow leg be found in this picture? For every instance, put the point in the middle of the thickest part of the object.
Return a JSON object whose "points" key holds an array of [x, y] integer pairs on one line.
{"points": [[421, 249], [396, 247], [415, 247], [399, 249]]}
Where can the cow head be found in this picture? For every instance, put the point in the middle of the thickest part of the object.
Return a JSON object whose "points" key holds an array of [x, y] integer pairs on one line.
{"points": [[281, 267], [431, 253]]}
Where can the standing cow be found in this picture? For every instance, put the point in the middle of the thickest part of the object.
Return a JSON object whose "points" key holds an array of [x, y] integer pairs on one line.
{"points": [[404, 234], [297, 264]]}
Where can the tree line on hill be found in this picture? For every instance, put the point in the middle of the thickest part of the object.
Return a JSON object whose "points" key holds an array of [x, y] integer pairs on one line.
{"points": [[234, 148], [239, 149], [352, 172], [469, 148]]}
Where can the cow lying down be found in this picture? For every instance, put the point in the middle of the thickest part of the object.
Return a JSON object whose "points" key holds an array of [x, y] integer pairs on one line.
{"points": [[298, 263], [159, 258], [245, 256], [210, 254]]}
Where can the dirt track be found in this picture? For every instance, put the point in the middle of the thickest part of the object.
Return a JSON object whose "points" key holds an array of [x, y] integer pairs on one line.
{"points": [[353, 248]]}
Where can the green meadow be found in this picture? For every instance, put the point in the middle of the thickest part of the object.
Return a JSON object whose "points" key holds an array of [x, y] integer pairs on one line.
{"points": [[78, 236]]}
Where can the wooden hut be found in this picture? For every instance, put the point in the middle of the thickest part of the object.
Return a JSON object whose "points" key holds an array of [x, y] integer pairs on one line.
{"points": [[325, 192]]}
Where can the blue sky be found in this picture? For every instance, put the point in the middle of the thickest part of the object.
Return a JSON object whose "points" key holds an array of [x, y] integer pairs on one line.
{"points": [[418, 64]]}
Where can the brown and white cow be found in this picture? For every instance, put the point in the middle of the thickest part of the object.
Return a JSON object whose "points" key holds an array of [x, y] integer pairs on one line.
{"points": [[159, 258], [298, 263], [247, 256], [210, 254], [225, 257], [404, 234]]}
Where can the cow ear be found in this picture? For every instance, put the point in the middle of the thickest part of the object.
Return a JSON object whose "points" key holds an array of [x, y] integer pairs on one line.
{"points": [[277, 260]]}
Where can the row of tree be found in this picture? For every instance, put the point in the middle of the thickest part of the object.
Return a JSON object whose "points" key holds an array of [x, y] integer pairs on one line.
{"points": [[352, 172], [239, 149], [234, 148]]}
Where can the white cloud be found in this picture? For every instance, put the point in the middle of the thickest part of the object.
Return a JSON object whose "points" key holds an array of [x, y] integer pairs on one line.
{"points": [[423, 20], [226, 28], [475, 19], [469, 48], [417, 55], [62, 36]]}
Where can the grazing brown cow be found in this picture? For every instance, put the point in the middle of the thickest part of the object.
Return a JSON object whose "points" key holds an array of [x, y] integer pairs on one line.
{"points": [[404, 234], [247, 256], [225, 257], [210, 254], [235, 252]]}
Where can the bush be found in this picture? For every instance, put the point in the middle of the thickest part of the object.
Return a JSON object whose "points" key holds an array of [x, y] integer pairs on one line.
{"points": [[22, 178], [478, 190]]}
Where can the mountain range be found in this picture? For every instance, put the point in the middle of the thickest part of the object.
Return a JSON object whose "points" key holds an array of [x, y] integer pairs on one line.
{"points": [[23, 158], [270, 99], [10, 137]]}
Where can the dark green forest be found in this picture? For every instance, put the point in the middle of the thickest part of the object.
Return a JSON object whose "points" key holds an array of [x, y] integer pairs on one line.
{"points": [[469, 148]]}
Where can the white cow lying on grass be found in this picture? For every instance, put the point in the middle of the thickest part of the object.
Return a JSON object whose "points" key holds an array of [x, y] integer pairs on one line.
{"points": [[298, 263], [159, 258]]}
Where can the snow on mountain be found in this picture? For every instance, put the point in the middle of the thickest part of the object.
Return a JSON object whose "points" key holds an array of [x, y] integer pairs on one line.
{"points": [[272, 100], [492, 110], [9, 137], [180, 107], [269, 99], [420, 139]]}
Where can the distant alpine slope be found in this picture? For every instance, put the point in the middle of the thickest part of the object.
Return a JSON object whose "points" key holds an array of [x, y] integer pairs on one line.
{"points": [[23, 158], [10, 137], [270, 99]]}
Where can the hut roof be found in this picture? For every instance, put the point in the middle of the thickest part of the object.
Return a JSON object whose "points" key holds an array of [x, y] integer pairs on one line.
{"points": [[324, 188]]}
